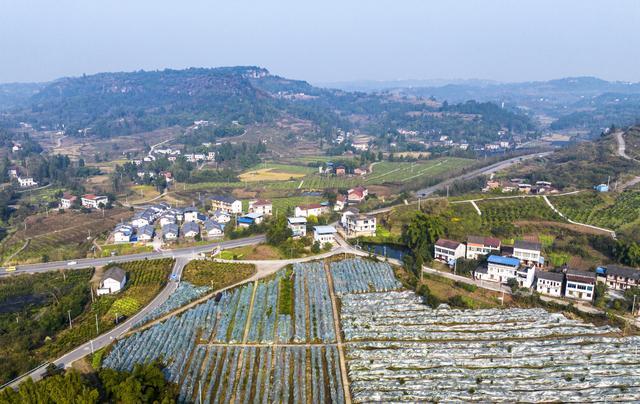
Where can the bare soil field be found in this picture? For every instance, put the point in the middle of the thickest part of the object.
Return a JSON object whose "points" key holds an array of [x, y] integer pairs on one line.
{"points": [[59, 236]]}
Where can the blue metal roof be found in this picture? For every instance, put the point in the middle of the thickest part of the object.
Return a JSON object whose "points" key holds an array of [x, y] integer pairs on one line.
{"points": [[509, 261]]}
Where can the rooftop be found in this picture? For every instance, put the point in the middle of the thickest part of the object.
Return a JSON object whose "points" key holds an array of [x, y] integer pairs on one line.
{"points": [[527, 245], [488, 241], [626, 272], [297, 220], [551, 276], [325, 229], [450, 244], [581, 276], [116, 273], [508, 261]]}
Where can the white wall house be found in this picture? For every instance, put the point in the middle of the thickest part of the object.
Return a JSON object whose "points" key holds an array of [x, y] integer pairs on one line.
{"points": [[360, 225], [298, 226], [478, 246], [122, 233], [221, 216], [213, 229], [498, 269], [91, 201], [549, 283], [313, 209], [170, 231], [580, 285], [447, 250], [67, 201], [261, 206], [26, 182], [112, 281], [526, 276], [226, 204], [324, 234], [190, 214], [528, 252]]}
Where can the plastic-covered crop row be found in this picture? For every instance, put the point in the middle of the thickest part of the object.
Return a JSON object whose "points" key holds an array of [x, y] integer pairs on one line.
{"points": [[360, 276], [263, 315], [410, 352], [184, 293], [402, 316], [312, 288]]}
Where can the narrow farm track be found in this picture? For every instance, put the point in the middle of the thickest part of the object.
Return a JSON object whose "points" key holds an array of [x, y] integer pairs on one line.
{"points": [[339, 344], [608, 231]]}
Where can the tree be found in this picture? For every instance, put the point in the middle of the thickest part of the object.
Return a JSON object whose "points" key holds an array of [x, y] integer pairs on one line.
{"points": [[421, 234], [279, 231]]}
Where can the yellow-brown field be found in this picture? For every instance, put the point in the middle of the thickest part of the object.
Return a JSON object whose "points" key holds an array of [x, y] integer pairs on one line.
{"points": [[268, 174]]}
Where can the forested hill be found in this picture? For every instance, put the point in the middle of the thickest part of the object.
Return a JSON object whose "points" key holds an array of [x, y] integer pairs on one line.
{"points": [[111, 104]]}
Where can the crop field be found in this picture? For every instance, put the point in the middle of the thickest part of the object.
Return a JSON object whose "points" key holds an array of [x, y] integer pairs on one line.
{"points": [[251, 344], [600, 210], [275, 172], [274, 341], [402, 350], [395, 173], [60, 236]]}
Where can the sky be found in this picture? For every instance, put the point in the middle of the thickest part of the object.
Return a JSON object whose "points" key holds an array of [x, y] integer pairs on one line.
{"points": [[325, 41]]}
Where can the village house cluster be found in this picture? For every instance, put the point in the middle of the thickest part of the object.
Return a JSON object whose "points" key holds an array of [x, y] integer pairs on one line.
{"points": [[352, 223], [339, 170], [524, 263], [519, 185], [171, 223]]}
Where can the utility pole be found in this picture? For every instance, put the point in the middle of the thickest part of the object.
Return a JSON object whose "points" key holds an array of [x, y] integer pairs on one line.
{"points": [[91, 341], [69, 313], [97, 329], [633, 307]]}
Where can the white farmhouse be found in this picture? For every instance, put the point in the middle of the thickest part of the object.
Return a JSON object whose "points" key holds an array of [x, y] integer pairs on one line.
{"points": [[528, 252], [122, 233], [26, 182], [112, 281], [298, 226], [91, 201], [448, 250], [360, 225], [498, 269], [549, 283], [580, 285], [324, 234]]}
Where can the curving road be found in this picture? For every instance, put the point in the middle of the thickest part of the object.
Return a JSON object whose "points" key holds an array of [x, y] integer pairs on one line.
{"points": [[182, 257]]}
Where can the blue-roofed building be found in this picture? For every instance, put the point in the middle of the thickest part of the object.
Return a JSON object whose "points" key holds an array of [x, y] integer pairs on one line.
{"points": [[601, 188], [499, 269], [249, 219]]}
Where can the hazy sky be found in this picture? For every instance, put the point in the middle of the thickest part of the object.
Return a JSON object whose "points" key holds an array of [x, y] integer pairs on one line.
{"points": [[326, 40]]}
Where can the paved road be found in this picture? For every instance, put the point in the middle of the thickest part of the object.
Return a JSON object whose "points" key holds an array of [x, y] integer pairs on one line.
{"points": [[92, 262], [423, 193]]}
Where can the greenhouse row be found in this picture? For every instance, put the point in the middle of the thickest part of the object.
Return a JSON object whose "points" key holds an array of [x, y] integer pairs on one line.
{"points": [[360, 276]]}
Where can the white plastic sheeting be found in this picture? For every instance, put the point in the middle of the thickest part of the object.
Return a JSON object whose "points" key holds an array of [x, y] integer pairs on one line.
{"points": [[410, 352]]}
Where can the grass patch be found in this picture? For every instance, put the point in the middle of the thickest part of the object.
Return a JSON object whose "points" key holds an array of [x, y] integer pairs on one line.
{"points": [[217, 275], [285, 296]]}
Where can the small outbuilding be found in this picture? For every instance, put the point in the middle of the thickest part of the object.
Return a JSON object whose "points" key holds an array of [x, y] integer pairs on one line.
{"points": [[113, 281]]}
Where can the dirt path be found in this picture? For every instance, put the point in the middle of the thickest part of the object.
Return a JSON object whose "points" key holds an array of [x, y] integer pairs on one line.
{"points": [[339, 344], [609, 231]]}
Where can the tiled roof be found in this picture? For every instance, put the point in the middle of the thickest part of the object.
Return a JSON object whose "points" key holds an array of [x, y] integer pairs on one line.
{"points": [[450, 244]]}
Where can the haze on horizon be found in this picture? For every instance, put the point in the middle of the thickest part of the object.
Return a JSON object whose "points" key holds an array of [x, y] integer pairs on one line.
{"points": [[329, 41]]}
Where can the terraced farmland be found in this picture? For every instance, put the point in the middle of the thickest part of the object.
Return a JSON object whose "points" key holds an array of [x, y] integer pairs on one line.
{"points": [[600, 210], [275, 341]]}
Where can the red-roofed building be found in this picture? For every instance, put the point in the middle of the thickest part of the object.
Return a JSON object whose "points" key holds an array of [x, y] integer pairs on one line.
{"points": [[67, 200], [261, 206], [357, 194], [478, 245], [92, 201]]}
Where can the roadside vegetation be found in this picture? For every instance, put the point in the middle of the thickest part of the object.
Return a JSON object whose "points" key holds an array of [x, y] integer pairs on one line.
{"points": [[36, 310], [145, 384]]}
